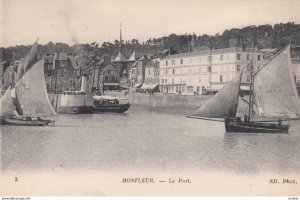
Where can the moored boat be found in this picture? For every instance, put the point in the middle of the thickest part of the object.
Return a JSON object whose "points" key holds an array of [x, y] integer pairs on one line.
{"points": [[26, 102], [273, 99], [110, 104]]}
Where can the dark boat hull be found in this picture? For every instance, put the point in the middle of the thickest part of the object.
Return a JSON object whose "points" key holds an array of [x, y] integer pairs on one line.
{"points": [[255, 127], [115, 108], [23, 121], [77, 110]]}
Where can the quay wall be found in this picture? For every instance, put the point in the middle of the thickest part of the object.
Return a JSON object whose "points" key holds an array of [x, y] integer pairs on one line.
{"points": [[166, 100], [159, 101]]}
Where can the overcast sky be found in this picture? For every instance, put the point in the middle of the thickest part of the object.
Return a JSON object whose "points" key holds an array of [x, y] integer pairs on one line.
{"points": [[82, 21]]}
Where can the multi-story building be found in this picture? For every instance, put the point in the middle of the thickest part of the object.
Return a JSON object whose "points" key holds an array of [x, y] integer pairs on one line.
{"points": [[151, 79], [61, 72], [109, 78], [137, 72], [206, 71], [296, 67]]}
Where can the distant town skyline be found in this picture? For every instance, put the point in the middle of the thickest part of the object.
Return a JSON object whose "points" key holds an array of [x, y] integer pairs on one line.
{"points": [[77, 21]]}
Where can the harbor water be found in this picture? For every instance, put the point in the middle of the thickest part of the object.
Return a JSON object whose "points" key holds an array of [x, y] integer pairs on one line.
{"points": [[145, 138]]}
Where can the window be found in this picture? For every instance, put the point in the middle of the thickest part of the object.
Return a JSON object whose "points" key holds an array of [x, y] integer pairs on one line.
{"points": [[221, 57], [166, 81], [199, 59], [173, 62], [209, 58], [248, 56], [166, 72], [248, 77], [238, 56], [249, 67], [173, 71], [162, 80], [258, 57], [221, 78], [208, 69], [238, 68], [166, 63], [181, 61]]}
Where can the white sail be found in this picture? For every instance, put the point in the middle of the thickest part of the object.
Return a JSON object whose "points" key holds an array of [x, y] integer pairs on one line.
{"points": [[275, 90], [31, 93], [224, 103], [6, 104]]}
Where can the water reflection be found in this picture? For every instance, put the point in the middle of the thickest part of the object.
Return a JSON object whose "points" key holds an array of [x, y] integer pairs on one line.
{"points": [[146, 139]]}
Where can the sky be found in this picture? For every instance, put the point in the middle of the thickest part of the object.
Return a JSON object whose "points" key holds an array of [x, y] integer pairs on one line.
{"points": [[86, 21]]}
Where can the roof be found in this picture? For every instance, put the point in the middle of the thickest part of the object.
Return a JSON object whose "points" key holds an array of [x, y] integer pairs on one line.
{"points": [[132, 57], [48, 59], [150, 64], [100, 62], [108, 67], [206, 52], [120, 57], [135, 63], [62, 56], [268, 50]]}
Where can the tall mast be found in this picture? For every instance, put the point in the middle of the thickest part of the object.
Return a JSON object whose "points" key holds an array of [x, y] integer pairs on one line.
{"points": [[210, 68], [121, 41], [251, 85]]}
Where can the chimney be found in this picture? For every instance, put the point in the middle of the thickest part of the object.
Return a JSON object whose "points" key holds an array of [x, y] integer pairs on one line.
{"points": [[83, 83]]}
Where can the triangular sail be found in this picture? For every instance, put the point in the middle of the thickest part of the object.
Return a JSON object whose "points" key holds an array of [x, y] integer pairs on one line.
{"points": [[275, 90], [224, 103], [31, 92], [31, 57], [6, 104]]}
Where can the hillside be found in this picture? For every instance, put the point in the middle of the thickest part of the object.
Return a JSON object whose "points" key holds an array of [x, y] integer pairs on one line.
{"points": [[262, 36]]}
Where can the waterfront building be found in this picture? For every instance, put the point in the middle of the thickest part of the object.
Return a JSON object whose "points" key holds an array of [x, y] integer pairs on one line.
{"points": [[137, 72], [203, 72], [109, 78], [1, 77], [9, 77], [61, 72], [151, 79], [296, 67]]}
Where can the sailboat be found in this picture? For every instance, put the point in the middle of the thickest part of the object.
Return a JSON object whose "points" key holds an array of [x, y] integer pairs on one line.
{"points": [[273, 99], [27, 103]]}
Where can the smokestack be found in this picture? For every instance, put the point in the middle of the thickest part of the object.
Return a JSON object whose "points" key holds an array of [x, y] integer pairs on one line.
{"points": [[83, 83]]}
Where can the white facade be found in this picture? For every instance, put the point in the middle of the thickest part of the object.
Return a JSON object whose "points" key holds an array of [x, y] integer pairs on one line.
{"points": [[296, 67], [189, 73]]}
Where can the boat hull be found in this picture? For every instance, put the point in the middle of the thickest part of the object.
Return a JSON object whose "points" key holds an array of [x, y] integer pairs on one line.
{"points": [[255, 127], [115, 108], [24, 121], [77, 110]]}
